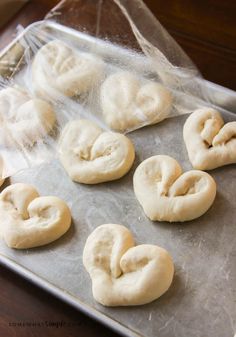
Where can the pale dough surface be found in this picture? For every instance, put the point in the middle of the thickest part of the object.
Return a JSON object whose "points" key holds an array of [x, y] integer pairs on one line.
{"points": [[127, 103], [23, 120], [28, 220], [123, 274], [168, 195], [210, 143], [91, 155], [58, 68]]}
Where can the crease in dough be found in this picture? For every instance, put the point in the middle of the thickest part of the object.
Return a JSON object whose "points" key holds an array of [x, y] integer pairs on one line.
{"points": [[127, 103], [59, 69], [91, 155], [167, 194], [210, 143], [123, 274], [23, 120], [28, 220]]}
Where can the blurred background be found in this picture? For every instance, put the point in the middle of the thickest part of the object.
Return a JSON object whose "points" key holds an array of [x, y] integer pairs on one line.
{"points": [[205, 29]]}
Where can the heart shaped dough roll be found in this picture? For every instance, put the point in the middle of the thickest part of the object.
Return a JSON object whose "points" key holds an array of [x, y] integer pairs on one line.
{"points": [[168, 195], [209, 142], [23, 120], [127, 103], [123, 274], [90, 155], [28, 220], [60, 68]]}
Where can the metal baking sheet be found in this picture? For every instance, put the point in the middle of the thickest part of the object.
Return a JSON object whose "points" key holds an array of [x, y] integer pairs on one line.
{"points": [[202, 299]]}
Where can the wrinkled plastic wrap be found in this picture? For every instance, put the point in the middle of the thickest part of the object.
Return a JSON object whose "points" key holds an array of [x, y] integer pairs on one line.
{"points": [[124, 35], [118, 37]]}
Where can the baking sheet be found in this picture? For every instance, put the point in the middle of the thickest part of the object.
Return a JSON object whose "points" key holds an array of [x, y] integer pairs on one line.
{"points": [[202, 299]]}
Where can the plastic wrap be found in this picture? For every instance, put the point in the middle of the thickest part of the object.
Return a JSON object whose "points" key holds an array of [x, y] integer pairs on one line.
{"points": [[124, 35], [153, 77]]}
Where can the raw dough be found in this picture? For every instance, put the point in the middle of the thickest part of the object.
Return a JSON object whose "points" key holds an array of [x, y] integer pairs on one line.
{"points": [[209, 142], [123, 274], [91, 155], [23, 120], [168, 195], [28, 220], [128, 104], [57, 68]]}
